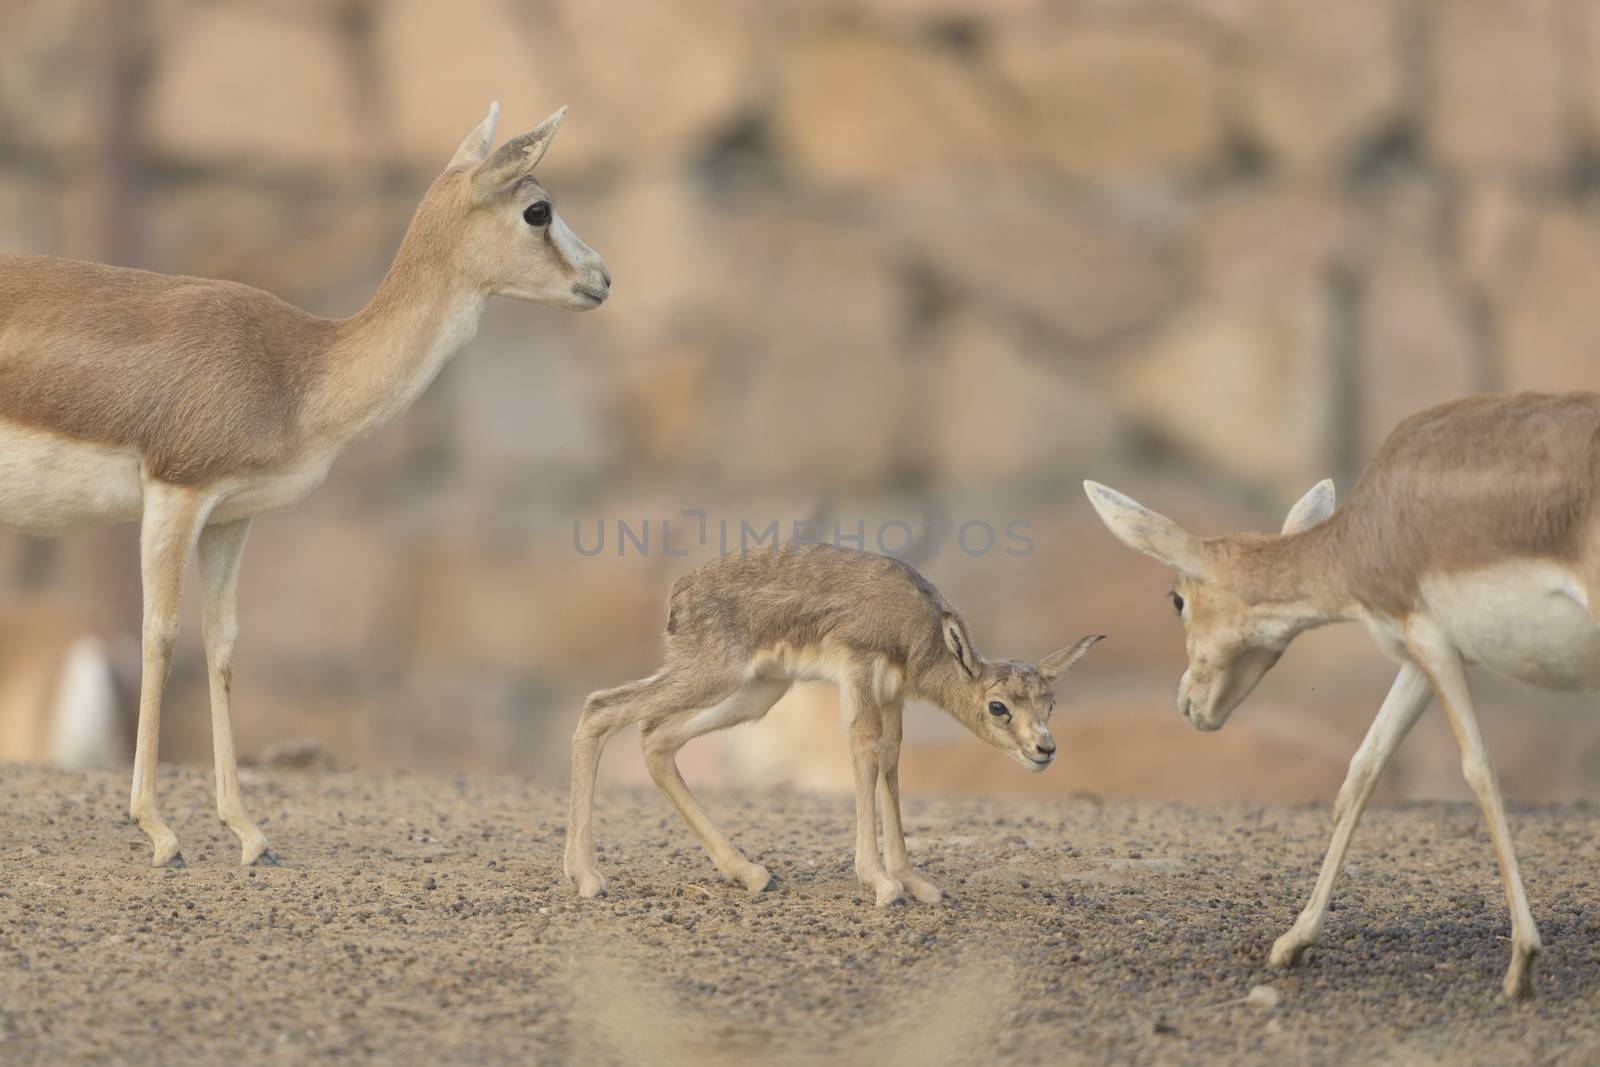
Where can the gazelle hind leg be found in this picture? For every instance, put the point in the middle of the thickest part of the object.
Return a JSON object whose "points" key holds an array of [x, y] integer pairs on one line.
{"points": [[896, 860], [221, 548], [664, 735], [604, 713], [171, 522], [1407, 698], [1443, 665]]}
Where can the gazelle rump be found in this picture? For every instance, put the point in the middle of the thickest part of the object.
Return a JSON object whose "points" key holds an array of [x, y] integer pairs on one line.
{"points": [[191, 405], [1472, 538], [744, 628]]}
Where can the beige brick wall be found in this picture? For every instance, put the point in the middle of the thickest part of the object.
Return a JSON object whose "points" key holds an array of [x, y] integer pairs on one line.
{"points": [[888, 259]]}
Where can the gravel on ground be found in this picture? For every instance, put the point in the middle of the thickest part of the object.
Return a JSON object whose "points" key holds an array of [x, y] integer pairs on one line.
{"points": [[424, 920]]}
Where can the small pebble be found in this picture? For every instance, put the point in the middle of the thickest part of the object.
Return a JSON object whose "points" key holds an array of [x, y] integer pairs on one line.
{"points": [[1262, 996]]}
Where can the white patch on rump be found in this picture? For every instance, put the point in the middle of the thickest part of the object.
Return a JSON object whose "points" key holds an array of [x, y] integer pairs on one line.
{"points": [[52, 485], [1525, 619]]}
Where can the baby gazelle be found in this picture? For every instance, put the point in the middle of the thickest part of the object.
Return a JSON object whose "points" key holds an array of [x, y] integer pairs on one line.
{"points": [[742, 629]]}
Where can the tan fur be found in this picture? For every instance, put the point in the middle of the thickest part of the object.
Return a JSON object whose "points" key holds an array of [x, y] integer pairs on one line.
{"points": [[1470, 484], [1471, 538], [193, 405], [742, 629], [203, 378]]}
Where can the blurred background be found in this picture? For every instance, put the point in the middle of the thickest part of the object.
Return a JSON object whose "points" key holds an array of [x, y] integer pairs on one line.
{"points": [[888, 261]]}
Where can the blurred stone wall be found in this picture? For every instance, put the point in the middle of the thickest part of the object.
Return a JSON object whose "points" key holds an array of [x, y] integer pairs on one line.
{"points": [[889, 259]]}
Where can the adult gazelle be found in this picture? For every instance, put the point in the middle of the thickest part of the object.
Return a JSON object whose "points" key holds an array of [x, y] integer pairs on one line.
{"points": [[1472, 539], [190, 405]]}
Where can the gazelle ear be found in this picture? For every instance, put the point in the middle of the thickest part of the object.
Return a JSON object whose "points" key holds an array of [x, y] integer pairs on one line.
{"points": [[955, 639], [1312, 509], [476, 146], [1057, 664], [1145, 531], [516, 158]]}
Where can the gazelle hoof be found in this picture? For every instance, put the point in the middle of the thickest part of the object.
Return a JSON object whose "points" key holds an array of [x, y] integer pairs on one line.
{"points": [[1286, 951], [922, 889], [889, 892], [169, 857], [590, 884], [1519, 977], [255, 852], [755, 878]]}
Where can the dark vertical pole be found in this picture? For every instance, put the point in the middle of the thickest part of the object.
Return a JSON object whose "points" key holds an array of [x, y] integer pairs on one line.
{"points": [[1343, 446], [128, 60]]}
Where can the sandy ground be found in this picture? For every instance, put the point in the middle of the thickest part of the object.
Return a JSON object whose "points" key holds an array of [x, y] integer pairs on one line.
{"points": [[422, 920]]}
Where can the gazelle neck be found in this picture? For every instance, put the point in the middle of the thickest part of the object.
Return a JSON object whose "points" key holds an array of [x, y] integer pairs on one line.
{"points": [[943, 684], [1300, 577], [385, 355]]}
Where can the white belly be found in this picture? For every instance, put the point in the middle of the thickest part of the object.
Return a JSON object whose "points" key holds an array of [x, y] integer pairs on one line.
{"points": [[55, 485], [270, 492], [827, 662], [1528, 620], [52, 485]]}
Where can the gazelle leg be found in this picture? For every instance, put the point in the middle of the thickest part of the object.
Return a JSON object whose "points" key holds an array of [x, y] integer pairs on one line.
{"points": [[1443, 664], [221, 548], [863, 720], [172, 519], [662, 737], [894, 835], [604, 713], [1407, 698]]}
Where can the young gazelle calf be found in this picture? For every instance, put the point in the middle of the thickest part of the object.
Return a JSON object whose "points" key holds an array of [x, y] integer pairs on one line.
{"points": [[743, 629], [1474, 537]]}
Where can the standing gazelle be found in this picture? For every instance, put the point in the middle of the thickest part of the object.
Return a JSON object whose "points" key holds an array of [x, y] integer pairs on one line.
{"points": [[1473, 538], [743, 628], [192, 405]]}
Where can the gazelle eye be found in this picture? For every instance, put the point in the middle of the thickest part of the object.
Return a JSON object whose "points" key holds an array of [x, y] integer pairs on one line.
{"points": [[1177, 602], [998, 709], [537, 214]]}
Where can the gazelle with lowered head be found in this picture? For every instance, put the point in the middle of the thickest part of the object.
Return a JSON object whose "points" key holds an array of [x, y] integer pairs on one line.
{"points": [[1473, 538], [744, 628], [191, 405]]}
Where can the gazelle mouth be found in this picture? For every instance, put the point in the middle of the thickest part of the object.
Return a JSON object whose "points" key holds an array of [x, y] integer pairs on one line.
{"points": [[595, 295]]}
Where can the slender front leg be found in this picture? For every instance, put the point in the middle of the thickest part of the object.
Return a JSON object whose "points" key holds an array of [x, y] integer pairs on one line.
{"points": [[1407, 698], [894, 835], [1443, 665], [863, 721], [172, 518], [221, 548]]}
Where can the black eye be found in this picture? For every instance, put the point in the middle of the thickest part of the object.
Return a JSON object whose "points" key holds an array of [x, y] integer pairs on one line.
{"points": [[537, 214], [1177, 602], [998, 709]]}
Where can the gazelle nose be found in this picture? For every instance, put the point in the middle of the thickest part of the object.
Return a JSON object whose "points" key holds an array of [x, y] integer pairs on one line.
{"points": [[1048, 748], [605, 276]]}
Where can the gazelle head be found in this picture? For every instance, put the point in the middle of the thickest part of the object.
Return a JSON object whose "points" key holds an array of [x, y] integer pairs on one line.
{"points": [[1008, 702], [514, 242], [1236, 625]]}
